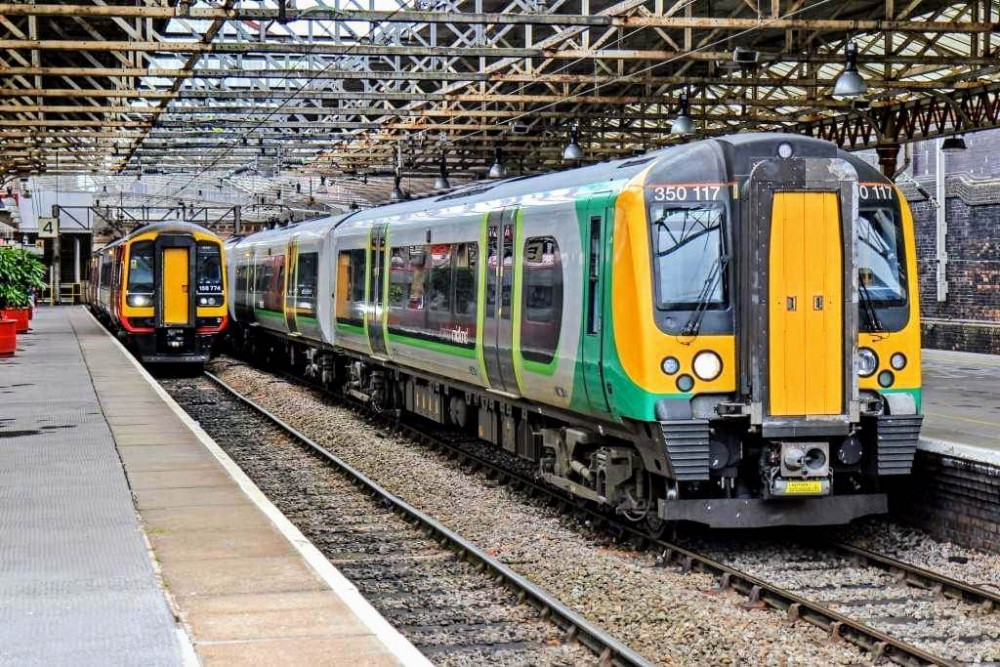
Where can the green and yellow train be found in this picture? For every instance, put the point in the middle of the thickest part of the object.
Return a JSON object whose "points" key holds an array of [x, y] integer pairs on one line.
{"points": [[724, 332]]}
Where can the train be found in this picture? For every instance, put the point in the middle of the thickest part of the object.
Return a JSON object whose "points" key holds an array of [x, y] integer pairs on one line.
{"points": [[724, 332], [162, 290]]}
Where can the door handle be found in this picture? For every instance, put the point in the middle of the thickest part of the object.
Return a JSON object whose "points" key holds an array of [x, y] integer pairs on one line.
{"points": [[818, 302], [790, 303]]}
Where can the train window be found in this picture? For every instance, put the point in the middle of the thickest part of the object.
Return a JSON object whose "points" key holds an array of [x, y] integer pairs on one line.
{"points": [[542, 289], [105, 271], [351, 286], [688, 256], [881, 263], [140, 268], [209, 268], [400, 279], [308, 274], [464, 260], [439, 278]]}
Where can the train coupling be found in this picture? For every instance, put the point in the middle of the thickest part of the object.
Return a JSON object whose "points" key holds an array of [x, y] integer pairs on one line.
{"points": [[803, 470]]}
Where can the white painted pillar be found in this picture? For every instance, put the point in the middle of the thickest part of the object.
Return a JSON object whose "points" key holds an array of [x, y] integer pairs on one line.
{"points": [[941, 235]]}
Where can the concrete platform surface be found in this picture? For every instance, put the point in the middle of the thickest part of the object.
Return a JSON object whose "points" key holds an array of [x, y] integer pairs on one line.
{"points": [[98, 461], [962, 405], [77, 581]]}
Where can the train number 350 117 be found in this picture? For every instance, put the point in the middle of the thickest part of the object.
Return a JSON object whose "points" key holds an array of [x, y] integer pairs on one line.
{"points": [[702, 192]]}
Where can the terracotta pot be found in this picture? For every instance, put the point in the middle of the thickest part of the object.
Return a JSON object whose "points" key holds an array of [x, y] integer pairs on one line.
{"points": [[19, 315], [8, 337]]}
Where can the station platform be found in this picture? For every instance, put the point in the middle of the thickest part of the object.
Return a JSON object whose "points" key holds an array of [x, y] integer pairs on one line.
{"points": [[127, 536], [961, 405]]}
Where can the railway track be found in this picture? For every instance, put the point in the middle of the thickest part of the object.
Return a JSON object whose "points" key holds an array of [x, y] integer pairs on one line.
{"points": [[456, 603], [887, 636]]}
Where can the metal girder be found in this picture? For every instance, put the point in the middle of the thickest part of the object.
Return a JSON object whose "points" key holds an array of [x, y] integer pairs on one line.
{"points": [[392, 51], [491, 19], [188, 82], [970, 110]]}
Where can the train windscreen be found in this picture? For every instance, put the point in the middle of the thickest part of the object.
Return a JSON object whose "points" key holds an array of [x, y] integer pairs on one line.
{"points": [[688, 251]]}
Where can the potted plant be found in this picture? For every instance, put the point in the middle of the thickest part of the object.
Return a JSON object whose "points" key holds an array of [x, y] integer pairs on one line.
{"points": [[20, 273]]}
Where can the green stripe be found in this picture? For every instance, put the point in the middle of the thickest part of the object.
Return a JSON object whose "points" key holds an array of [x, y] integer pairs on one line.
{"points": [[433, 346], [351, 328], [481, 298], [271, 314]]}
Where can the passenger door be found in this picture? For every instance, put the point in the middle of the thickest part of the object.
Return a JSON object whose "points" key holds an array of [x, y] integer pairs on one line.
{"points": [[289, 304], [498, 316], [599, 218], [175, 285], [805, 305], [377, 272]]}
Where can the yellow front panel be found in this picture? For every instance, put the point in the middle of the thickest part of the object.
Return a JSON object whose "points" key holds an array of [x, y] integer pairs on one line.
{"points": [[174, 285], [805, 308]]}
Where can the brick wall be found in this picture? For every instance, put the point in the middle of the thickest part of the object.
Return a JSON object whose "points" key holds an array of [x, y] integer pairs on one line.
{"points": [[952, 499], [969, 319]]}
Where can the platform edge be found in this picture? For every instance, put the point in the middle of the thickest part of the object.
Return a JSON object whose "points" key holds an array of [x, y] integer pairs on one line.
{"points": [[389, 636]]}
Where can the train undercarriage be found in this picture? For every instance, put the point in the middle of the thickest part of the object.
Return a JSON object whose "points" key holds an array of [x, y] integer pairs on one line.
{"points": [[703, 464]]}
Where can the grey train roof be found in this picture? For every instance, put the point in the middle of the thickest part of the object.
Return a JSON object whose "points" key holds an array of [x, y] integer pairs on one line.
{"points": [[615, 170]]}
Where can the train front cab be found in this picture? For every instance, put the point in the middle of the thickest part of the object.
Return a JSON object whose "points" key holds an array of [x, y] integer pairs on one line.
{"points": [[163, 318], [781, 359]]}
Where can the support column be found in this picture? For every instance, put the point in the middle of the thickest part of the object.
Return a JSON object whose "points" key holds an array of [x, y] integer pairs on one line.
{"points": [[76, 258], [941, 227], [888, 157]]}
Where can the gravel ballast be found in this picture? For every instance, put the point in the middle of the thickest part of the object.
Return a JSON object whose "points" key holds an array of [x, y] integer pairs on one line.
{"points": [[450, 610], [668, 616]]}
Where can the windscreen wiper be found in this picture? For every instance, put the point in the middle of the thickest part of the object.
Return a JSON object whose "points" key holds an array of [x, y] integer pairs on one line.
{"points": [[693, 325], [869, 308]]}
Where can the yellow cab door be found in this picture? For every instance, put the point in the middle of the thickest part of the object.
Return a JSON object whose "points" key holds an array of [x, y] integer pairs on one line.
{"points": [[174, 286], [805, 309]]}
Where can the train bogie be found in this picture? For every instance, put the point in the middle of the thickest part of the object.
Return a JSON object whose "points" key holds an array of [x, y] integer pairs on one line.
{"points": [[725, 332]]}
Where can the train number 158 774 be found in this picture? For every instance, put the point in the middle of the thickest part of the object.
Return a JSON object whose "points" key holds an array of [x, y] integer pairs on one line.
{"points": [[693, 192]]}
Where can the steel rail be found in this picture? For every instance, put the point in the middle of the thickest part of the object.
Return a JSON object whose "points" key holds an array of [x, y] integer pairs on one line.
{"points": [[922, 577], [758, 591], [609, 649]]}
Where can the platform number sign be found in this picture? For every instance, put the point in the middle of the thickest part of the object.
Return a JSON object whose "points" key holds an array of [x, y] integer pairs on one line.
{"points": [[48, 228]]}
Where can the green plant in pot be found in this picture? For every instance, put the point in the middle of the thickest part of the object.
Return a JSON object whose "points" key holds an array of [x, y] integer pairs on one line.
{"points": [[20, 273]]}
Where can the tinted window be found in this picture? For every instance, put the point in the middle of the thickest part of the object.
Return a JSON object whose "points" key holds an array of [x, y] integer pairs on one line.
{"points": [[308, 274], [351, 286], [881, 262], [687, 247], [140, 268], [209, 269], [432, 292], [542, 290], [439, 278]]}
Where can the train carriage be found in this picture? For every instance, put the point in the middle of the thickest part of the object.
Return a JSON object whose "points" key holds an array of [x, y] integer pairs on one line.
{"points": [[724, 332], [162, 290]]}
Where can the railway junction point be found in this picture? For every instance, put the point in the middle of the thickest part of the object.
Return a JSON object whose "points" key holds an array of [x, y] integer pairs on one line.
{"points": [[724, 230]]}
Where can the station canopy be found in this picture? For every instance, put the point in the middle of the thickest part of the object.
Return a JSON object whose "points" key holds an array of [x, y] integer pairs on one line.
{"points": [[335, 93]]}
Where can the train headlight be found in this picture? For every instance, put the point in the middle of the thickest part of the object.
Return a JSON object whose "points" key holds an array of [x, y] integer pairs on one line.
{"points": [[886, 378], [898, 361], [785, 150], [867, 362], [670, 365], [707, 365], [209, 301], [139, 300]]}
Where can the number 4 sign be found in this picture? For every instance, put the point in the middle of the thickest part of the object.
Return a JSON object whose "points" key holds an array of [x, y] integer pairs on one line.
{"points": [[48, 227]]}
